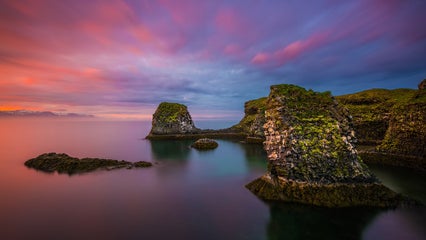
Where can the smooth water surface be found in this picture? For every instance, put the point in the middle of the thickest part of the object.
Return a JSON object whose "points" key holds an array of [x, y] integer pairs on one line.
{"points": [[187, 194]]}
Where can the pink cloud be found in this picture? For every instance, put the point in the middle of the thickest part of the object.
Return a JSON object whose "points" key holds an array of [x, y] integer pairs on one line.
{"points": [[228, 20], [292, 51], [261, 58], [233, 49]]}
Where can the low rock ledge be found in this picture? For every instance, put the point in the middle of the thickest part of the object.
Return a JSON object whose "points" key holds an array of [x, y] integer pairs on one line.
{"points": [[63, 163]]}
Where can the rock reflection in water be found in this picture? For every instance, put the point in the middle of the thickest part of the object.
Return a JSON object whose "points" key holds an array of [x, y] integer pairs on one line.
{"points": [[294, 221], [165, 150]]}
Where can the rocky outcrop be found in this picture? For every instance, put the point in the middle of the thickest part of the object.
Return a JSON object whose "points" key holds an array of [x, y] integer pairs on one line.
{"points": [[405, 138], [371, 110], [393, 123], [311, 154], [62, 163], [205, 144], [173, 121], [172, 118], [253, 120]]}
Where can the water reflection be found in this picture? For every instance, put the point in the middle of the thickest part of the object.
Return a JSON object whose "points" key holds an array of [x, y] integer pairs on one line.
{"points": [[402, 180], [255, 155], [294, 221], [176, 150]]}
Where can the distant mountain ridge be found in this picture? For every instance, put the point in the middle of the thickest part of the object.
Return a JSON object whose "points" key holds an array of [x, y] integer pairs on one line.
{"points": [[28, 113]]}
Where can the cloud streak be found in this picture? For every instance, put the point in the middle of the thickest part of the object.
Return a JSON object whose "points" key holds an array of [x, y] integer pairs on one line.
{"points": [[124, 57]]}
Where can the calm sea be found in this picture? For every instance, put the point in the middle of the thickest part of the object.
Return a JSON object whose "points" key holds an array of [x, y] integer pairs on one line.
{"points": [[186, 195]]}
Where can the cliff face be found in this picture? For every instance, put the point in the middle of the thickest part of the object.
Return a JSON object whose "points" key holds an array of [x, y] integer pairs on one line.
{"points": [[371, 110], [172, 118], [406, 134], [393, 123], [254, 118], [311, 153]]}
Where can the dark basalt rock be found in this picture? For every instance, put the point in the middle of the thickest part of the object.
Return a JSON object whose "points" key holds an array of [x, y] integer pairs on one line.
{"points": [[62, 163], [205, 144], [312, 156]]}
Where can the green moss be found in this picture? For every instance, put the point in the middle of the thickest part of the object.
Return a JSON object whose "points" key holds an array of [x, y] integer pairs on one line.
{"points": [[302, 103], [255, 106], [169, 112], [252, 110], [371, 109]]}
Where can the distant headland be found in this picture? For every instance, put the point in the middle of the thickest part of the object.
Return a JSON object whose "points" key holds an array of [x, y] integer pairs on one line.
{"points": [[42, 114]]}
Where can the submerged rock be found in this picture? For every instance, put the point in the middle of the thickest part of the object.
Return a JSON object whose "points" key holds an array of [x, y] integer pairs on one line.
{"points": [[172, 118], [205, 144], [311, 153], [62, 163]]}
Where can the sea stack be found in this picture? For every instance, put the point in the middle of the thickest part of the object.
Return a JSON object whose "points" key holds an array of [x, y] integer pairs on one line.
{"points": [[312, 157], [172, 118]]}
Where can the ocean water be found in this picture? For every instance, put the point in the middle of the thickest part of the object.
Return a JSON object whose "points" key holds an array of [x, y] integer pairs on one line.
{"points": [[187, 194]]}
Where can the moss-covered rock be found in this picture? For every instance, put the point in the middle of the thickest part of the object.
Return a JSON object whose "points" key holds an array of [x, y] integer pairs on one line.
{"points": [[394, 122], [172, 118], [205, 144], [253, 120], [62, 163], [371, 110], [309, 137], [406, 134], [311, 153]]}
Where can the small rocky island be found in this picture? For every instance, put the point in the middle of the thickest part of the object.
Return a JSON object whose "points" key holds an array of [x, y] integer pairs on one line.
{"points": [[62, 163], [311, 154], [173, 121], [205, 144]]}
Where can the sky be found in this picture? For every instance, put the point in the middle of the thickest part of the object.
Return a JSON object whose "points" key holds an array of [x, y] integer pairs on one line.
{"points": [[121, 58]]}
